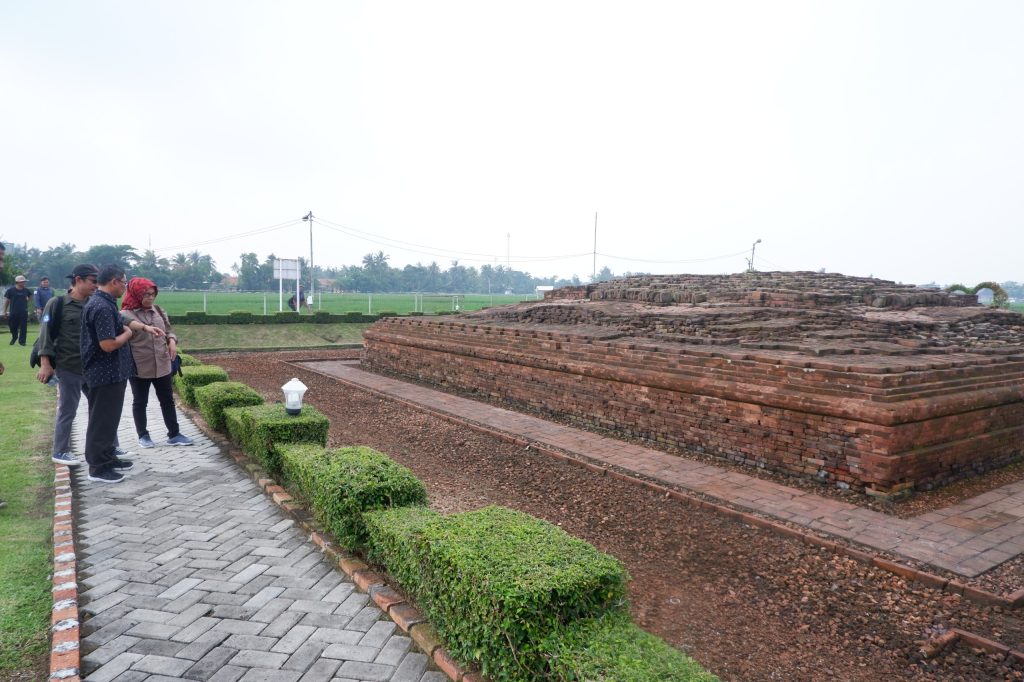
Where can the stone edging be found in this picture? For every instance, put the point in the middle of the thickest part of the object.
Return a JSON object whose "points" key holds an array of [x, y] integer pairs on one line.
{"points": [[969, 592], [64, 623], [937, 645]]}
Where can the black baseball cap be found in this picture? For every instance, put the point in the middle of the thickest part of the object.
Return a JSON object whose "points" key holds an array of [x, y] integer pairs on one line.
{"points": [[84, 270]]}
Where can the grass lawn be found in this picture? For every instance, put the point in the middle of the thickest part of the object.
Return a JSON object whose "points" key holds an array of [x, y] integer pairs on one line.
{"points": [[193, 338], [223, 302], [26, 413]]}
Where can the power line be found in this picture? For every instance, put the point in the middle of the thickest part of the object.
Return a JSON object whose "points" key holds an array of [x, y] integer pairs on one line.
{"points": [[227, 238]]}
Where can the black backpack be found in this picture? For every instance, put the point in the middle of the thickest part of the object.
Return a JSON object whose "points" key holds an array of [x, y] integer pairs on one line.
{"points": [[53, 327]]}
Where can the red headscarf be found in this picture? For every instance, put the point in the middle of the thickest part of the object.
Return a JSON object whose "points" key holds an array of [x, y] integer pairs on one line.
{"points": [[136, 288]]}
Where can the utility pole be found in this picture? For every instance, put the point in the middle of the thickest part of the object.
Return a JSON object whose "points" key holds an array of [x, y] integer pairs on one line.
{"points": [[312, 277], [593, 274], [508, 250]]}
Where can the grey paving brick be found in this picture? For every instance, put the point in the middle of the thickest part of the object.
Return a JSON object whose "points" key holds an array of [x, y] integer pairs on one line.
{"points": [[263, 675], [251, 658], [393, 651], [110, 650], [365, 619], [254, 642], [267, 595], [153, 630], [353, 605], [106, 633], [113, 668], [207, 666], [326, 620], [311, 606], [160, 647], [202, 645], [228, 673], [434, 676], [282, 624], [352, 652], [322, 670], [378, 633], [336, 636], [293, 639], [133, 676], [411, 668], [369, 672], [158, 665], [340, 593], [179, 588], [192, 631], [241, 627], [304, 656], [190, 615], [149, 616]]}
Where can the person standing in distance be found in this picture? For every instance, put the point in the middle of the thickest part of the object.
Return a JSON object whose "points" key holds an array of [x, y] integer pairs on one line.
{"points": [[16, 300], [107, 365], [43, 294]]}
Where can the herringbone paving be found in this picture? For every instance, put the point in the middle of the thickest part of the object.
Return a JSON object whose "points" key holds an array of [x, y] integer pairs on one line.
{"points": [[968, 538], [187, 571]]}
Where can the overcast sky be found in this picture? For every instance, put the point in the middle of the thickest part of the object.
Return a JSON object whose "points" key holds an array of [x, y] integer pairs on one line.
{"points": [[868, 138]]}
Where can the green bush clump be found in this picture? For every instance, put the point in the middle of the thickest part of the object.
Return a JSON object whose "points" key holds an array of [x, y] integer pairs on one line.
{"points": [[188, 360], [259, 428], [322, 317], [196, 317], [284, 317], [387, 313], [392, 535], [612, 648], [342, 484], [501, 587], [240, 317], [214, 398], [193, 376]]}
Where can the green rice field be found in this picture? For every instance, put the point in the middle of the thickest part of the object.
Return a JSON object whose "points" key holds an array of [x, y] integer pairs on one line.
{"points": [[223, 302]]}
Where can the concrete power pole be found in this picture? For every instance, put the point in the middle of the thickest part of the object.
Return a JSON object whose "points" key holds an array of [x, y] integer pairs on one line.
{"points": [[312, 276]]}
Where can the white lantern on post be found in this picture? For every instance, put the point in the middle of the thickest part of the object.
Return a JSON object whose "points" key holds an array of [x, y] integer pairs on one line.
{"points": [[293, 392]]}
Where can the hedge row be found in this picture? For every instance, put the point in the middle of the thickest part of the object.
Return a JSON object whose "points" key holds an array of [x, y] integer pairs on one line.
{"points": [[286, 317], [213, 399], [260, 429]]}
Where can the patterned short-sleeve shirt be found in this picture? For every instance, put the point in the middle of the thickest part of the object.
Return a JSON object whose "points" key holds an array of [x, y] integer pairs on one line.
{"points": [[102, 320]]}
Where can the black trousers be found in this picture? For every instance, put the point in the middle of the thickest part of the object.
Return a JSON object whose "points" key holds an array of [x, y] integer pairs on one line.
{"points": [[105, 404], [18, 324], [164, 393]]}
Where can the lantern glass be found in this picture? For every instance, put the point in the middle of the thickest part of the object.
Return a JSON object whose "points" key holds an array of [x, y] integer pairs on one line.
{"points": [[293, 392]]}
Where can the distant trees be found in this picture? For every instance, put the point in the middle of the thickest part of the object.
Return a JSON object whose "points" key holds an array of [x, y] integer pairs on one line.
{"points": [[195, 270]]}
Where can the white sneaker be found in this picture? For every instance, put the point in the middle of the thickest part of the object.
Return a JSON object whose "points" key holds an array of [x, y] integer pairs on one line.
{"points": [[68, 459]]}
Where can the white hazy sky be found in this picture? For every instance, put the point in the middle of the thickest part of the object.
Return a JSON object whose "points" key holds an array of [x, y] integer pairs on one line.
{"points": [[868, 138]]}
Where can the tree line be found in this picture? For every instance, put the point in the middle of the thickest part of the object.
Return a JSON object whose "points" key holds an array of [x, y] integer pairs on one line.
{"points": [[195, 270]]}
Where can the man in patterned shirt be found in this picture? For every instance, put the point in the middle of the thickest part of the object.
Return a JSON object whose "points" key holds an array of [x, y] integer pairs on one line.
{"points": [[106, 365]]}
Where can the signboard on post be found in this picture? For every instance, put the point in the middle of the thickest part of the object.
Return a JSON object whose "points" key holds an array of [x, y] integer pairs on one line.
{"points": [[286, 268]]}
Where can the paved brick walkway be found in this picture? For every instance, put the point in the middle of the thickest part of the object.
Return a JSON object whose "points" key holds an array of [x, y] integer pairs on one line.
{"points": [[969, 538], [188, 571]]}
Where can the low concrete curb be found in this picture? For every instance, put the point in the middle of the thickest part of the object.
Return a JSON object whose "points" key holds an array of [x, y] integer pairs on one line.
{"points": [[64, 624]]}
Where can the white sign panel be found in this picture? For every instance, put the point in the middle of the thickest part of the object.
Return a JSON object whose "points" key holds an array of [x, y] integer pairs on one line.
{"points": [[286, 268]]}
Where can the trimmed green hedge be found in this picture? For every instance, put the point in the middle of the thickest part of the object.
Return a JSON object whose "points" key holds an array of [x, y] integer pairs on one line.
{"points": [[188, 360], [501, 587], [194, 376], [259, 428], [391, 542], [283, 317], [612, 648], [343, 484], [213, 398], [240, 317]]}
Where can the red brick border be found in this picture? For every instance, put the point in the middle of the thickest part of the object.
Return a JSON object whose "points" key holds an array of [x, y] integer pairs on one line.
{"points": [[65, 630], [1013, 601]]}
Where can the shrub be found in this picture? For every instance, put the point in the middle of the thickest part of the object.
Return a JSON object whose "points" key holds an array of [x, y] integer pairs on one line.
{"points": [[258, 428], [391, 540], [195, 317], [284, 317], [387, 313], [611, 648], [213, 398], [188, 361], [240, 317], [341, 485], [194, 376], [501, 586], [321, 317]]}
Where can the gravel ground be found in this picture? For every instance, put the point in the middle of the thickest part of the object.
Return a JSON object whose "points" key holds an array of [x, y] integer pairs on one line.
{"points": [[746, 603]]}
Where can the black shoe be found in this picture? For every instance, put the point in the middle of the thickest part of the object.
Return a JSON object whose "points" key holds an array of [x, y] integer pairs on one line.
{"points": [[22, 343], [106, 476], [12, 341], [123, 464]]}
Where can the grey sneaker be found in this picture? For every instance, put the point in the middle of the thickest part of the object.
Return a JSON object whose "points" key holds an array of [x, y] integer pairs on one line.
{"points": [[123, 464], [180, 439], [66, 458], [107, 476], [118, 452], [146, 442]]}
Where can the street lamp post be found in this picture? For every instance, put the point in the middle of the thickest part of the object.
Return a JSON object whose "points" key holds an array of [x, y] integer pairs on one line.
{"points": [[750, 263]]}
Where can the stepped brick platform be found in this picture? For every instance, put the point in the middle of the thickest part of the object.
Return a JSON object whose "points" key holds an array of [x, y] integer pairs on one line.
{"points": [[853, 381]]}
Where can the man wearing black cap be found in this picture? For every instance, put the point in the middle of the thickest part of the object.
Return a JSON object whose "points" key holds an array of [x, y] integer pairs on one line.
{"points": [[16, 300], [60, 329]]}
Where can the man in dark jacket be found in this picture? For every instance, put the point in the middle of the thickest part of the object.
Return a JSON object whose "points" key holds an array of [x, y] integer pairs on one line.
{"points": [[16, 300]]}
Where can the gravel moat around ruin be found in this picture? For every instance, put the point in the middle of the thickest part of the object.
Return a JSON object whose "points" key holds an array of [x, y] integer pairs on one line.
{"points": [[746, 603]]}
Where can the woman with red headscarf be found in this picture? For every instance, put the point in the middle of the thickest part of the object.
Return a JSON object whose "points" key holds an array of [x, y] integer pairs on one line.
{"points": [[153, 356]]}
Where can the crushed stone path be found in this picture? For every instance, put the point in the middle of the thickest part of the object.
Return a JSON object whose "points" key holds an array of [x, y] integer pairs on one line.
{"points": [[187, 571], [968, 539]]}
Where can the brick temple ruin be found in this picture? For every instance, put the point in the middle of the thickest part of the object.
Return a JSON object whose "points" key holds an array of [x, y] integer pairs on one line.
{"points": [[857, 382]]}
